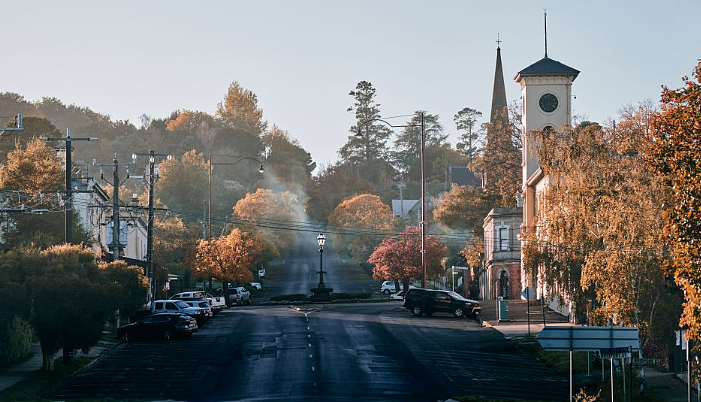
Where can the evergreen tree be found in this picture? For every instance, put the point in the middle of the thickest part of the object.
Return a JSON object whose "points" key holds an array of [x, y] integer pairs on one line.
{"points": [[469, 143], [408, 143], [373, 143]]}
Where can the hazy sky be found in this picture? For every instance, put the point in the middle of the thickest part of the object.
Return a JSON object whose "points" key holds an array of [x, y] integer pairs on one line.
{"points": [[127, 58]]}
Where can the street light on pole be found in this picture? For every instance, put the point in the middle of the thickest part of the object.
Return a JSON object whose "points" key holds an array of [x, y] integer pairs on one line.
{"points": [[423, 183], [321, 292]]}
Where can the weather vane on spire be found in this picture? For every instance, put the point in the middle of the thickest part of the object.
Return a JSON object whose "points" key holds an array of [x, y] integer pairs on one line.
{"points": [[545, 26], [498, 41]]}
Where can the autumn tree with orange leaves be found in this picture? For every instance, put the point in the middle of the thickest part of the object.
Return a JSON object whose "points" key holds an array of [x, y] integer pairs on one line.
{"points": [[229, 257], [398, 258], [675, 152], [273, 211]]}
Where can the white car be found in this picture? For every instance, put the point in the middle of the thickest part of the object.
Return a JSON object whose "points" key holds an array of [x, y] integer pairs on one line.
{"points": [[397, 296], [256, 285], [388, 287]]}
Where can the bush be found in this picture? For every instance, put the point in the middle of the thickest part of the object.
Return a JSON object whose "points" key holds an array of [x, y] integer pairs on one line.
{"points": [[292, 297], [348, 296], [15, 340]]}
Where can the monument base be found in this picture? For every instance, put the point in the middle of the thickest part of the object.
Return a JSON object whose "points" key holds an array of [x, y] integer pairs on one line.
{"points": [[321, 294]]}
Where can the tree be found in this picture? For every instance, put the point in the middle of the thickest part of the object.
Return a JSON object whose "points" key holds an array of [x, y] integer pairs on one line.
{"points": [[286, 160], [674, 152], [469, 141], [464, 207], [229, 257], [131, 284], [182, 184], [398, 257], [240, 110], [71, 300], [408, 142], [275, 211], [373, 143], [174, 244], [330, 186], [599, 225], [501, 161], [36, 174], [366, 214]]}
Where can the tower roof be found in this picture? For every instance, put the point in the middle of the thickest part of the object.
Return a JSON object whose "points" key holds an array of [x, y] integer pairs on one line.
{"points": [[547, 67], [499, 93]]}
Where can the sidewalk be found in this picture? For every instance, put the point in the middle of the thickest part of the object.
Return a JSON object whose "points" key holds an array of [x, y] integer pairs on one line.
{"points": [[17, 373], [517, 325]]}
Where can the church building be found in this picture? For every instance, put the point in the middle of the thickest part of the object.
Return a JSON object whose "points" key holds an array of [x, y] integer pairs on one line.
{"points": [[546, 92]]}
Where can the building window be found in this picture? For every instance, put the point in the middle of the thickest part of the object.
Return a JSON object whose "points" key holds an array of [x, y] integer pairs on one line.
{"points": [[504, 239]]}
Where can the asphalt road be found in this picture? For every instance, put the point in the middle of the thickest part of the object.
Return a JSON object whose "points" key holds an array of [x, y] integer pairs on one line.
{"points": [[354, 352]]}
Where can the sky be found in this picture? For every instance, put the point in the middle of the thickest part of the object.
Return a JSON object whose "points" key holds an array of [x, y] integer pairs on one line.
{"points": [[127, 58]]}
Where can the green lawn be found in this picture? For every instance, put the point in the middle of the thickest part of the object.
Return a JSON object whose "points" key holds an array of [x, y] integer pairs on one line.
{"points": [[40, 382]]}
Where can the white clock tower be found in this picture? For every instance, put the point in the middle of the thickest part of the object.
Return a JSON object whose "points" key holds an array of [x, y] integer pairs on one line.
{"points": [[546, 90]]}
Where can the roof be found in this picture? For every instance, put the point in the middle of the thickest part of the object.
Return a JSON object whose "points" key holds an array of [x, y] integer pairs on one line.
{"points": [[547, 67], [463, 176], [499, 104], [408, 205]]}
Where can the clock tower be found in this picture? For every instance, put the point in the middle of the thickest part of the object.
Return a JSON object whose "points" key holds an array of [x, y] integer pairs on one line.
{"points": [[546, 90]]}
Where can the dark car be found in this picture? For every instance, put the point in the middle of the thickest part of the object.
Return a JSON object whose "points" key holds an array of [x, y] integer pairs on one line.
{"points": [[159, 326], [425, 301]]}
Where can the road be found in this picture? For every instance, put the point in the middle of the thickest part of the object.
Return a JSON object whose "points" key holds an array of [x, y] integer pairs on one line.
{"points": [[354, 352], [298, 275]]}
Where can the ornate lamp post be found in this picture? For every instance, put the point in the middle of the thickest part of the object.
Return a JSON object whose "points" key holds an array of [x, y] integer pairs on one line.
{"points": [[321, 292], [423, 183]]}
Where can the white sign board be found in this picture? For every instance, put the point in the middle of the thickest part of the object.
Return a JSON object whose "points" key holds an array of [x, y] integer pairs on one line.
{"points": [[528, 293], [588, 338]]}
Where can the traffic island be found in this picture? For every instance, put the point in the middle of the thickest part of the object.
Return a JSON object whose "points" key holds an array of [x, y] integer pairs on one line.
{"points": [[321, 294]]}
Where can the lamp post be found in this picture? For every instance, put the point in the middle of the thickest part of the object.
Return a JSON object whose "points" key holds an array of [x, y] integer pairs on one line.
{"points": [[423, 183], [321, 293]]}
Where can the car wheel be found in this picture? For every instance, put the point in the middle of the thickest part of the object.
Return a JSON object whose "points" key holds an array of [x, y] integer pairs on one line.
{"points": [[386, 291], [458, 312], [167, 335], [417, 310], [125, 337]]}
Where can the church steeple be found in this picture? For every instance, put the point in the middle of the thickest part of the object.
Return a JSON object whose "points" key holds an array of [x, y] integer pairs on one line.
{"points": [[499, 105]]}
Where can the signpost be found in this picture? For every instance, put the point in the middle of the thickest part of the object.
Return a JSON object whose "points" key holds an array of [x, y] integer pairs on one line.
{"points": [[528, 294], [609, 341]]}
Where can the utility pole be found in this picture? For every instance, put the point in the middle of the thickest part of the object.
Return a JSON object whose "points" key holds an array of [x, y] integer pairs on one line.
{"points": [[69, 179], [149, 236], [115, 246]]}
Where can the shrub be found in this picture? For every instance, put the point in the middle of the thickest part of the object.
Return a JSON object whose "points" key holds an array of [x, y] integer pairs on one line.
{"points": [[291, 297], [348, 296], [15, 339]]}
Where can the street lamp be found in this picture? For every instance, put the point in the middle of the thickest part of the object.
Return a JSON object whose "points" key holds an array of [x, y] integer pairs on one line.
{"points": [[321, 292], [423, 184]]}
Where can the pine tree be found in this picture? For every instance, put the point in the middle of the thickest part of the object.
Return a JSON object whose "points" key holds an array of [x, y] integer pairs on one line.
{"points": [[373, 142]]}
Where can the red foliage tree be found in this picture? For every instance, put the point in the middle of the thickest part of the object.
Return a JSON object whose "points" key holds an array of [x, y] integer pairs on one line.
{"points": [[398, 257]]}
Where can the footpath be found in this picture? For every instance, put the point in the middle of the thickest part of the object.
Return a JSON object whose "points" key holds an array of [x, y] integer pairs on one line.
{"points": [[16, 373], [669, 386]]}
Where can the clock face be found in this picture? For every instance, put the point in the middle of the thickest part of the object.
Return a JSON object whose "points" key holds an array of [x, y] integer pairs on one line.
{"points": [[548, 103]]}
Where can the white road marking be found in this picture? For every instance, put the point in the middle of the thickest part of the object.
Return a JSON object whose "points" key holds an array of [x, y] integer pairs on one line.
{"points": [[311, 356], [309, 336], [307, 328], [310, 345]]}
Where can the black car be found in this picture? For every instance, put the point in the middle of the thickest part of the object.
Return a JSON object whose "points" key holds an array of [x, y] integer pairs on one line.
{"points": [[425, 301], [159, 326]]}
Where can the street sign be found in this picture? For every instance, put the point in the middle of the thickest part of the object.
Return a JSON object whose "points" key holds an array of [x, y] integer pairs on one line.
{"points": [[528, 293], [615, 353], [588, 338]]}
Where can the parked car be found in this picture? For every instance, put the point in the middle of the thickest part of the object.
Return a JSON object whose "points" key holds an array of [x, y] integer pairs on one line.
{"points": [[164, 326], [216, 303], [201, 304], [388, 287], [179, 306], [237, 294], [424, 301], [256, 285], [397, 296], [261, 273]]}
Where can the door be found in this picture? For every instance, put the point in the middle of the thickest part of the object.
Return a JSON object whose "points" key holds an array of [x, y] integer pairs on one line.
{"points": [[504, 284], [443, 302]]}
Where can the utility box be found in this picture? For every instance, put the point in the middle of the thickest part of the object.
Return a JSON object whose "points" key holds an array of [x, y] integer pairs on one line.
{"points": [[502, 309]]}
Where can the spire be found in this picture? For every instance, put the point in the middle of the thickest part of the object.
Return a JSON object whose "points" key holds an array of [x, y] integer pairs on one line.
{"points": [[545, 30], [499, 105]]}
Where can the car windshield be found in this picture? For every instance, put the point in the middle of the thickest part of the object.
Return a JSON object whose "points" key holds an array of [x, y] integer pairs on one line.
{"points": [[456, 296], [181, 304]]}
